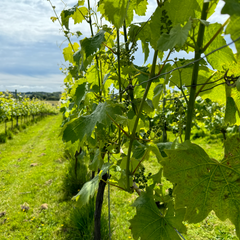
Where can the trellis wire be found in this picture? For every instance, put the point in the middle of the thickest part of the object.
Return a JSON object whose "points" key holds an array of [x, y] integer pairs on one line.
{"points": [[175, 229], [197, 60], [179, 234], [109, 217]]}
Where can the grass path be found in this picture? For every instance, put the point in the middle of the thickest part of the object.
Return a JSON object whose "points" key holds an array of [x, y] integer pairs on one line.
{"points": [[31, 186], [26, 186]]}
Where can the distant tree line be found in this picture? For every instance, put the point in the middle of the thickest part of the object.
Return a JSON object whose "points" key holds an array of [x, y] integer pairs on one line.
{"points": [[54, 96]]}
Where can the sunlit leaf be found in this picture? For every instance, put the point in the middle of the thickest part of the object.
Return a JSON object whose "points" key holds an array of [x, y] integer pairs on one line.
{"points": [[205, 184], [150, 223], [89, 188], [84, 125]]}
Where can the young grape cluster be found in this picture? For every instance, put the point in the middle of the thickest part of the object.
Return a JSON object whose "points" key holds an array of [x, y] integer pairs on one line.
{"points": [[127, 56], [141, 179], [126, 104], [166, 23]]}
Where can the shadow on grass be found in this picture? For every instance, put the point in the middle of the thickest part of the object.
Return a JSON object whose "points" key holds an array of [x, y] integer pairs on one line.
{"points": [[80, 224]]}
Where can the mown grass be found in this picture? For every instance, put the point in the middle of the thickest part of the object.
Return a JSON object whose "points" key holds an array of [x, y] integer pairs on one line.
{"points": [[14, 128], [22, 184]]}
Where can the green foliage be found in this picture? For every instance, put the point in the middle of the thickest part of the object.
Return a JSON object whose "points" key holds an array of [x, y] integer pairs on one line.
{"points": [[150, 223], [82, 219], [187, 8], [77, 172], [114, 11], [90, 45], [230, 114], [76, 13], [89, 188], [79, 127], [205, 177], [177, 37], [121, 113], [21, 106], [222, 58], [231, 7], [234, 30], [118, 11]]}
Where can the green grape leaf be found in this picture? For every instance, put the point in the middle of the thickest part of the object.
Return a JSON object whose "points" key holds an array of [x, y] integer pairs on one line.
{"points": [[92, 75], [230, 112], [204, 184], [105, 78], [154, 148], [233, 28], [217, 94], [184, 76], [238, 84], [97, 161], [78, 93], [162, 146], [145, 49], [140, 7], [235, 94], [68, 52], [139, 150], [79, 14], [89, 188], [114, 11], [187, 8], [153, 29], [118, 11], [76, 13], [157, 93], [148, 106], [223, 57], [231, 7], [204, 22], [122, 181], [84, 125], [77, 56], [177, 37], [150, 223], [133, 164], [81, 2], [143, 33], [157, 178], [90, 45], [121, 120], [65, 15]]}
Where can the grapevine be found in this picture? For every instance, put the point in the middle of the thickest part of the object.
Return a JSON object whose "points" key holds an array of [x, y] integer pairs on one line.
{"points": [[112, 107]]}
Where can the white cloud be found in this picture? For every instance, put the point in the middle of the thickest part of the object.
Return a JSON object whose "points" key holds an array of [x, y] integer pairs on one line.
{"points": [[29, 21], [30, 42], [24, 83]]}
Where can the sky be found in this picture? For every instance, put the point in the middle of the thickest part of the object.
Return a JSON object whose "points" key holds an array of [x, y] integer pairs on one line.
{"points": [[31, 44]]}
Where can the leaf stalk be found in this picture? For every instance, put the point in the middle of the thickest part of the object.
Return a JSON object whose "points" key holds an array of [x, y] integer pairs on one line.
{"points": [[138, 116]]}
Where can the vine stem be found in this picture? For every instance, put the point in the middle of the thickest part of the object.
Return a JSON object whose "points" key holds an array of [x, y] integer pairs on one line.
{"points": [[61, 25], [198, 52], [132, 137], [125, 35], [181, 88], [119, 83], [201, 88], [96, 57], [119, 66], [215, 35]]}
